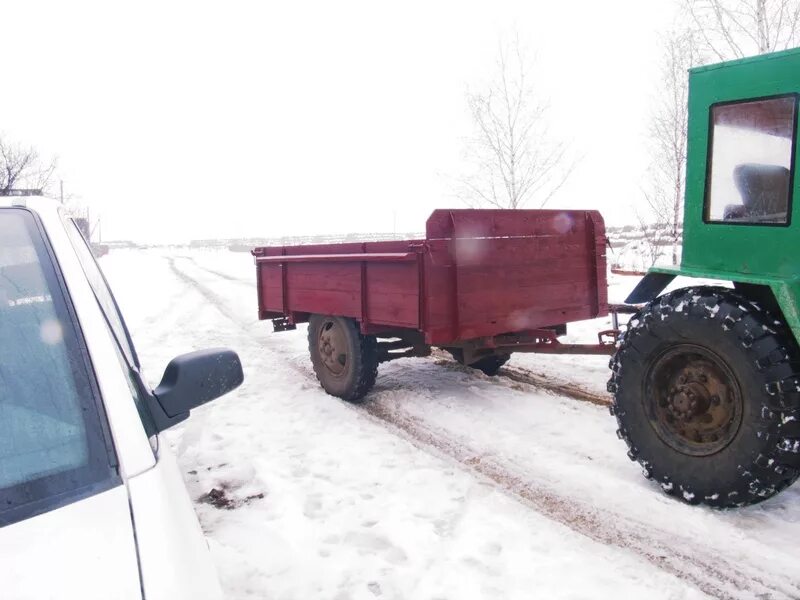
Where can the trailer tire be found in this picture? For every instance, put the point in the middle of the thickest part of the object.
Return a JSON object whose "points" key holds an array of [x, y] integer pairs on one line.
{"points": [[345, 361], [489, 365], [707, 397]]}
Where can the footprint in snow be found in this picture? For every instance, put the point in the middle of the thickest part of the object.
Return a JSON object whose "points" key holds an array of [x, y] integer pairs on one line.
{"points": [[369, 543]]}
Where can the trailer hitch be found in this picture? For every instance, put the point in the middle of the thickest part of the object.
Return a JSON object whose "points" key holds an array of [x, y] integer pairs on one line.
{"points": [[608, 337]]}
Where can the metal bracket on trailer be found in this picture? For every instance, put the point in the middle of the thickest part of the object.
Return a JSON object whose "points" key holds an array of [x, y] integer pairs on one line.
{"points": [[283, 324], [546, 340], [616, 310], [535, 340]]}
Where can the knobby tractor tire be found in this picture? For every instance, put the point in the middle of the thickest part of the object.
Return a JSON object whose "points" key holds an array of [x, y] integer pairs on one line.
{"points": [[345, 361], [489, 365], [707, 397]]}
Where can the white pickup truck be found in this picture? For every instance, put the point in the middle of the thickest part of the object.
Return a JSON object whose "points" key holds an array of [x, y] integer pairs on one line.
{"points": [[91, 505]]}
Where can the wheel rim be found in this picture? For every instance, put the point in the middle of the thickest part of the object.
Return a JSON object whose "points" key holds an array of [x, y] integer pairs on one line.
{"points": [[332, 347], [693, 400]]}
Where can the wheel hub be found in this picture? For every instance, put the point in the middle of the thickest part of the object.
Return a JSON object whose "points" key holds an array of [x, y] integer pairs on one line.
{"points": [[693, 400], [332, 347], [688, 400]]}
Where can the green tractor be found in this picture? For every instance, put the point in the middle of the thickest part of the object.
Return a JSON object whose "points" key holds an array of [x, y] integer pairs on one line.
{"points": [[706, 379]]}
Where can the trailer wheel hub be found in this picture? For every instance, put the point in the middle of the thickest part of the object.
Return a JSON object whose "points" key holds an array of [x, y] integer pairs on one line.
{"points": [[693, 400], [332, 347]]}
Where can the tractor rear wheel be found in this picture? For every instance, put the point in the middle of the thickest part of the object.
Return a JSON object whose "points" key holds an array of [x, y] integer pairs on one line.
{"points": [[345, 361], [706, 396]]}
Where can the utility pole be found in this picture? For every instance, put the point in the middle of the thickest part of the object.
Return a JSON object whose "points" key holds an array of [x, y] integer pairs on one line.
{"points": [[61, 184]]}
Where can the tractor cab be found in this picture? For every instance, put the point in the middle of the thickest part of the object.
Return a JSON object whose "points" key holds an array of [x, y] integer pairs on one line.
{"points": [[739, 209], [740, 170]]}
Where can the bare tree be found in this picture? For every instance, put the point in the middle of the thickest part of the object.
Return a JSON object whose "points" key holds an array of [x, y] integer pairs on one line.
{"points": [[515, 158], [668, 134], [738, 28], [22, 167], [653, 241]]}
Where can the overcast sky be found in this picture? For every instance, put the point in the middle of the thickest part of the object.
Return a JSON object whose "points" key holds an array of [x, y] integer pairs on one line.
{"points": [[186, 120]]}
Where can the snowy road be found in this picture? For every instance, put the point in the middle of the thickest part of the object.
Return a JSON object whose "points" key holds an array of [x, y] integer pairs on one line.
{"points": [[446, 484]]}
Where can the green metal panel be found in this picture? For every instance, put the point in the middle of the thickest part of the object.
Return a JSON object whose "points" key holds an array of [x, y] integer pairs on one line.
{"points": [[760, 250], [758, 254], [785, 290]]}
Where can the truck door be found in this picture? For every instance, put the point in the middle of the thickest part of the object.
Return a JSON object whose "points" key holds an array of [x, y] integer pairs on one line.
{"points": [[65, 523]]}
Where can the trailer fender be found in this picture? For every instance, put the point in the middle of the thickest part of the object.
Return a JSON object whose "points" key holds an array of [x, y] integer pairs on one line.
{"points": [[649, 287]]}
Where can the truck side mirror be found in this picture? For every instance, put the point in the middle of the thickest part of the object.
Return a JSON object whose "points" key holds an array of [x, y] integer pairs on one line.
{"points": [[191, 380]]}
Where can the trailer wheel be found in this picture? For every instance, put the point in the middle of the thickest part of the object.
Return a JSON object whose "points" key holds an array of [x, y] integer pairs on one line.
{"points": [[706, 396], [489, 365], [345, 361]]}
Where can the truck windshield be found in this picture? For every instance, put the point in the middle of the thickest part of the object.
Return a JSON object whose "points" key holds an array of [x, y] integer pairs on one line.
{"points": [[51, 439], [750, 162]]}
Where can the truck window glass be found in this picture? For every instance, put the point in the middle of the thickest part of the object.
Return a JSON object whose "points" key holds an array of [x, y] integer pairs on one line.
{"points": [[114, 321], [750, 172], [52, 446], [102, 292]]}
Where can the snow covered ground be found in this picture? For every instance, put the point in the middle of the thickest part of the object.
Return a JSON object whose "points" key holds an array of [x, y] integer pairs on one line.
{"points": [[446, 484]]}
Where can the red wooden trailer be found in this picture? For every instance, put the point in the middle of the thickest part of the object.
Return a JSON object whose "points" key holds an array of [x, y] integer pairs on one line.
{"points": [[482, 284]]}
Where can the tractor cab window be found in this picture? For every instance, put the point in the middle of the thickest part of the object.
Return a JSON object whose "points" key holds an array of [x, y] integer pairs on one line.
{"points": [[751, 161]]}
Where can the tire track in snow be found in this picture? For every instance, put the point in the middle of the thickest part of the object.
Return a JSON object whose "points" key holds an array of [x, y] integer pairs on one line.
{"points": [[249, 282], [161, 326], [215, 299], [703, 567], [714, 575], [221, 304], [560, 388], [527, 377]]}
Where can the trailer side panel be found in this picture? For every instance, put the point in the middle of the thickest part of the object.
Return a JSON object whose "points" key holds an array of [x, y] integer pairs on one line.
{"points": [[504, 271], [478, 273]]}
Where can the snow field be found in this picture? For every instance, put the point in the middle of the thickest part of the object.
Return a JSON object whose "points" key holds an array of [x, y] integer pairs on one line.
{"points": [[446, 484]]}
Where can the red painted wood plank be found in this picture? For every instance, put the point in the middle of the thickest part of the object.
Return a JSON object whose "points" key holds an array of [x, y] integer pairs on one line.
{"points": [[520, 251], [500, 223], [345, 304], [393, 246], [495, 304], [270, 288], [342, 248], [509, 324], [354, 257], [397, 278], [323, 277], [517, 276], [393, 309]]}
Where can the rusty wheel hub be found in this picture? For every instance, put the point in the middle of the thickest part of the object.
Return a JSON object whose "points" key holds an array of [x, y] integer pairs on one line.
{"points": [[693, 400], [332, 347]]}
